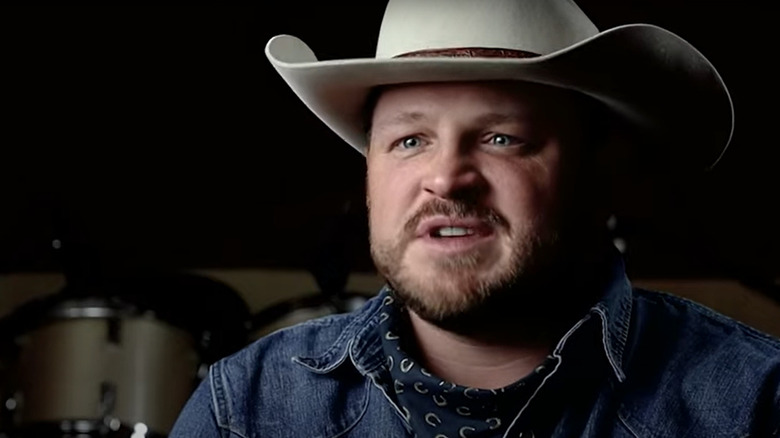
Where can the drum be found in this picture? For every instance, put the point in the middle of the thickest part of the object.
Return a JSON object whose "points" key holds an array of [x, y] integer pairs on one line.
{"points": [[7, 401], [291, 312], [98, 366]]}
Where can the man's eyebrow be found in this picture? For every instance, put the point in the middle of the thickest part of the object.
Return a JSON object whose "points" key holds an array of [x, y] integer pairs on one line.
{"points": [[408, 117], [498, 118], [403, 118]]}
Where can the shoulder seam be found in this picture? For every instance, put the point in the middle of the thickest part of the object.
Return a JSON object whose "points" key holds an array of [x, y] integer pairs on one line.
{"points": [[221, 400], [710, 314]]}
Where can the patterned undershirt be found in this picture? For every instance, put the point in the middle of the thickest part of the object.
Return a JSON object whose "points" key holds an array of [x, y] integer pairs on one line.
{"points": [[439, 409]]}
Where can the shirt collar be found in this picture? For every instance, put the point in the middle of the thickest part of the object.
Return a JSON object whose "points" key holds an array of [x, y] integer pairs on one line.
{"points": [[614, 311], [360, 341], [611, 316]]}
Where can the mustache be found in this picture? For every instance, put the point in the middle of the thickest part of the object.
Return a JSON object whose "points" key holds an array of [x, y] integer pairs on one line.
{"points": [[454, 209]]}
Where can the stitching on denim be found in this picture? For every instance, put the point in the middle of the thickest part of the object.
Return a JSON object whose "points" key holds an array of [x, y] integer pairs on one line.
{"points": [[359, 341], [313, 364], [557, 354], [615, 332], [397, 410], [340, 345], [605, 341], [530, 399], [362, 412], [625, 322], [221, 399], [625, 424], [654, 296], [218, 396]]}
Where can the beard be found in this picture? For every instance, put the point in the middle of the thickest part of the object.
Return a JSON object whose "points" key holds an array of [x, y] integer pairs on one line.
{"points": [[468, 292]]}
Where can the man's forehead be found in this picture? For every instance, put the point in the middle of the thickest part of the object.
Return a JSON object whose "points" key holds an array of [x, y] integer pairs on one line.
{"points": [[400, 117], [476, 87], [409, 103]]}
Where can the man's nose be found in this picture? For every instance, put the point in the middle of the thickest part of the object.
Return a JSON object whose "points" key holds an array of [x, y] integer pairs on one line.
{"points": [[453, 173]]}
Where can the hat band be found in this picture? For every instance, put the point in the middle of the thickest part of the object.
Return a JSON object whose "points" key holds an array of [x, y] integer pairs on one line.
{"points": [[469, 52]]}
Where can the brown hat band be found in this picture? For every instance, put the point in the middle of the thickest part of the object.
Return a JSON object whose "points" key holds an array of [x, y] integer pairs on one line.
{"points": [[468, 52]]}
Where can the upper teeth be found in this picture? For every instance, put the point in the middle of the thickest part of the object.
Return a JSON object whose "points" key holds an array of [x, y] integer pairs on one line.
{"points": [[454, 231]]}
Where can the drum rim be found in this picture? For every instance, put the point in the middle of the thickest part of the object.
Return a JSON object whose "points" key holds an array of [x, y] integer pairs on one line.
{"points": [[279, 310], [89, 426], [39, 312]]}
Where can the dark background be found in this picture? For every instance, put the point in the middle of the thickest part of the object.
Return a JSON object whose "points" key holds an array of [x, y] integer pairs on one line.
{"points": [[160, 137]]}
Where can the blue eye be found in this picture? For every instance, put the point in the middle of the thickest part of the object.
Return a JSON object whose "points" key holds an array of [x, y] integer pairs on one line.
{"points": [[411, 142], [502, 140]]}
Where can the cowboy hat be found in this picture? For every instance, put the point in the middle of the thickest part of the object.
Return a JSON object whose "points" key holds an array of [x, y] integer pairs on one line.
{"points": [[657, 82]]}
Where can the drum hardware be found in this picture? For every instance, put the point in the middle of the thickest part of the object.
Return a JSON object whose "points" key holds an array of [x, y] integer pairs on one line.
{"points": [[107, 399], [111, 355], [97, 367], [290, 312], [330, 268]]}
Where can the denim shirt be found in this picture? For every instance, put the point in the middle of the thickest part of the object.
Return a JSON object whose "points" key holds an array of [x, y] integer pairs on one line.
{"points": [[638, 364]]}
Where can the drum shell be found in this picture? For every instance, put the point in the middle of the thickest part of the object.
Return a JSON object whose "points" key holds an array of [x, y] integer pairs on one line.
{"points": [[6, 393], [136, 369], [294, 317], [291, 312]]}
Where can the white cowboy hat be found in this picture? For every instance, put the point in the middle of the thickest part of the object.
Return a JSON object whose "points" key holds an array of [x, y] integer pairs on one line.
{"points": [[651, 77]]}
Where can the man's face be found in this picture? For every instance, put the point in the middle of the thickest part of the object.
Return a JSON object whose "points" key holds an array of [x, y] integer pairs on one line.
{"points": [[466, 185]]}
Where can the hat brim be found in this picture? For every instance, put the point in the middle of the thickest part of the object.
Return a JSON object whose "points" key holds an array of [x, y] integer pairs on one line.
{"points": [[651, 77]]}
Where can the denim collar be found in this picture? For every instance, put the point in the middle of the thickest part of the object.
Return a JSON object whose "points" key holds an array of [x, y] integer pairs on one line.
{"points": [[614, 311], [360, 341]]}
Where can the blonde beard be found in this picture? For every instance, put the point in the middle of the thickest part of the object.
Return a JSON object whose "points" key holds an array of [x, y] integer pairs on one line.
{"points": [[459, 286]]}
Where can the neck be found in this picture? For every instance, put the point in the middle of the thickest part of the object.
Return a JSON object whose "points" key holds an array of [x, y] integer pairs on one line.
{"points": [[479, 360], [506, 340]]}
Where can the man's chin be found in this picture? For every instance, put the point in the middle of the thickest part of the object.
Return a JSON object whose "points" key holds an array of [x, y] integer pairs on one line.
{"points": [[448, 297], [463, 291]]}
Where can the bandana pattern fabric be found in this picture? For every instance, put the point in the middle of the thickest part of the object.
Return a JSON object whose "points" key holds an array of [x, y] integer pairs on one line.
{"points": [[439, 409]]}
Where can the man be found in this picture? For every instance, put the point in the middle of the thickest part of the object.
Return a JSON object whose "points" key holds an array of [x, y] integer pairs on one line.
{"points": [[488, 129]]}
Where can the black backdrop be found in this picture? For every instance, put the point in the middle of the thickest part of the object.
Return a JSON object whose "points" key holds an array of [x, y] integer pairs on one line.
{"points": [[160, 137]]}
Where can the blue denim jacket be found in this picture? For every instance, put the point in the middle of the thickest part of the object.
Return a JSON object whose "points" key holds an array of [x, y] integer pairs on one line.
{"points": [[639, 364]]}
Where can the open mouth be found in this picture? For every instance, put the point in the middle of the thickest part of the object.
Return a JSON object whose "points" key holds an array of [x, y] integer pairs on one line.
{"points": [[449, 232]]}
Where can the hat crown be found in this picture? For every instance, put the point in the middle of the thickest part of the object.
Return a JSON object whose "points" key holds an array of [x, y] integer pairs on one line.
{"points": [[537, 26]]}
